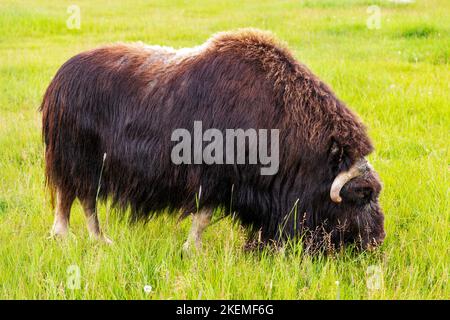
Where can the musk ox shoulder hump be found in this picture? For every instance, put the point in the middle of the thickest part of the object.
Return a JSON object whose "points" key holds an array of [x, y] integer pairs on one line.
{"points": [[313, 107], [257, 46]]}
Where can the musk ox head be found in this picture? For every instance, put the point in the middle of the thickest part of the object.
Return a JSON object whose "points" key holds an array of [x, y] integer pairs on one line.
{"points": [[336, 201], [354, 211], [336, 188]]}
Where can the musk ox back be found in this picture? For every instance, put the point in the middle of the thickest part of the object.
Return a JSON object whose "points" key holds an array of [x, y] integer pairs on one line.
{"points": [[110, 113]]}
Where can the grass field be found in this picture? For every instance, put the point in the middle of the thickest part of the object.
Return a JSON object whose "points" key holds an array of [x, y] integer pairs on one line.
{"points": [[396, 78]]}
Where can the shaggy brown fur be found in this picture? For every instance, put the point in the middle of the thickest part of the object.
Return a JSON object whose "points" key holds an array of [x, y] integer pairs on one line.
{"points": [[126, 100]]}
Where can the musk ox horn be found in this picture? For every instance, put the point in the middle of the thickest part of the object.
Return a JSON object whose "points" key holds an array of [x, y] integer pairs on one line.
{"points": [[342, 178]]}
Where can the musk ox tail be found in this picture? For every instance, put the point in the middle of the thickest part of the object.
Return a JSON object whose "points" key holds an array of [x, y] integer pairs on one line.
{"points": [[48, 109]]}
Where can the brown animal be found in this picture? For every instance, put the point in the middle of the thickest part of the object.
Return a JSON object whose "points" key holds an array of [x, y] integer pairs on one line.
{"points": [[125, 100]]}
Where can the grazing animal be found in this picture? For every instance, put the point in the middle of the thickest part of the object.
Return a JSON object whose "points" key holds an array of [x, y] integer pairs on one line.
{"points": [[125, 101]]}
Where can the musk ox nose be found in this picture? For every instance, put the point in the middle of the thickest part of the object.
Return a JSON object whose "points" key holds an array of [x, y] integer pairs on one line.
{"points": [[362, 189]]}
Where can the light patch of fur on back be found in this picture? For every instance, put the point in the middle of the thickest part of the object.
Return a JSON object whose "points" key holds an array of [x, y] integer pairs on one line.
{"points": [[166, 54]]}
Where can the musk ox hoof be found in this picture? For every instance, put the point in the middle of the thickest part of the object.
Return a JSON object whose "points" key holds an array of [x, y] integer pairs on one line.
{"points": [[56, 236], [189, 249], [102, 239], [186, 250], [107, 240], [59, 231]]}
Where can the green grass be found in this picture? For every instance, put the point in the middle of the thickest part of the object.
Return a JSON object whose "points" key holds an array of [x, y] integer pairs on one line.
{"points": [[397, 78]]}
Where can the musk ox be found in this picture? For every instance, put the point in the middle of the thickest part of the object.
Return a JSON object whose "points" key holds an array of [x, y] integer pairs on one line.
{"points": [[109, 114]]}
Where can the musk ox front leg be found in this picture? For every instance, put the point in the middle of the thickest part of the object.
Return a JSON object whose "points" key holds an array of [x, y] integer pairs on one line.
{"points": [[64, 201], [200, 221], [93, 225]]}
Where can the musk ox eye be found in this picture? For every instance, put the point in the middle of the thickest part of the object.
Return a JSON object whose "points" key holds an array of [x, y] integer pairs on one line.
{"points": [[336, 154]]}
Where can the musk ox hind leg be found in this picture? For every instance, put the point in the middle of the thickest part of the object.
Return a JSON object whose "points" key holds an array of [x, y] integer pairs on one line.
{"points": [[64, 201], [93, 225], [200, 221]]}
